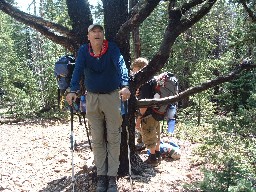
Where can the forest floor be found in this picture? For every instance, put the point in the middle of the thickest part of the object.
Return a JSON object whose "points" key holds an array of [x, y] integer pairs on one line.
{"points": [[36, 156]]}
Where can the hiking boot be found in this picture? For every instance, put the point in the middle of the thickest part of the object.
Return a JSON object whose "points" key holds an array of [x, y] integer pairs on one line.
{"points": [[102, 183], [140, 147], [152, 160], [158, 156], [112, 186]]}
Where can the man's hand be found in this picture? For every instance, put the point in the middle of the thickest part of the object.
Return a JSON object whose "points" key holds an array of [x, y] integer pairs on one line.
{"points": [[71, 97], [125, 93]]}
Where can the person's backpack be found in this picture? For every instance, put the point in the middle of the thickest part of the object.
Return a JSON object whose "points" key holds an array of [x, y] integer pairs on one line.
{"points": [[63, 71], [164, 85]]}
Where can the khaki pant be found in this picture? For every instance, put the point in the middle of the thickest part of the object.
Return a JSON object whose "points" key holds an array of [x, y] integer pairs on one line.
{"points": [[150, 131], [104, 113]]}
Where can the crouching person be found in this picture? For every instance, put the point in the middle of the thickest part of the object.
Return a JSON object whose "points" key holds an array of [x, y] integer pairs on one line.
{"points": [[148, 126], [106, 80]]}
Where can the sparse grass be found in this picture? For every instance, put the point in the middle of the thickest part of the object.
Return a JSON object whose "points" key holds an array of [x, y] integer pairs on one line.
{"points": [[227, 152]]}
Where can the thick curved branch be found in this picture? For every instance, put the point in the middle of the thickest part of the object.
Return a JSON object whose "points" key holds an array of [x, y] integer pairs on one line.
{"points": [[249, 11], [137, 17], [175, 27], [64, 41], [187, 23], [246, 65], [32, 20]]}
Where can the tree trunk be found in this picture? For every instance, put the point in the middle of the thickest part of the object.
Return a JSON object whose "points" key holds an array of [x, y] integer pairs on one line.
{"points": [[135, 33], [115, 14]]}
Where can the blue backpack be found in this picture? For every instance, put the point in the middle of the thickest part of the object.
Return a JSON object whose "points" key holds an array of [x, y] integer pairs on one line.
{"points": [[63, 71]]}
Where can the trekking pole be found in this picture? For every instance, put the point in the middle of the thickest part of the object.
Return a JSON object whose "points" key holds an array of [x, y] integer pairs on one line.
{"points": [[72, 146], [59, 97], [129, 151], [87, 131]]}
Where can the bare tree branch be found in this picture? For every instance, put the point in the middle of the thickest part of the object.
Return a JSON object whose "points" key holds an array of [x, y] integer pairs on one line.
{"points": [[49, 29], [31, 20], [70, 39], [246, 65], [64, 41], [137, 17], [187, 23], [175, 27]]}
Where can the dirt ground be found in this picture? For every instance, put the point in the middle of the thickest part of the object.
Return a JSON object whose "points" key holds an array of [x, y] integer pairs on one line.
{"points": [[36, 156]]}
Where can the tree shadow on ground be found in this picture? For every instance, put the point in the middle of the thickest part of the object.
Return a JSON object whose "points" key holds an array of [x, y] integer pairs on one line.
{"points": [[85, 179], [82, 182]]}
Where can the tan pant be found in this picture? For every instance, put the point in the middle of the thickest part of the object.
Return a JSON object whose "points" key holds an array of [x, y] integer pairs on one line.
{"points": [[150, 131], [104, 114]]}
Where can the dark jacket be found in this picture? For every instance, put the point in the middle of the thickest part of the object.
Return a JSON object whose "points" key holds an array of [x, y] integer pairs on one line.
{"points": [[147, 91]]}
